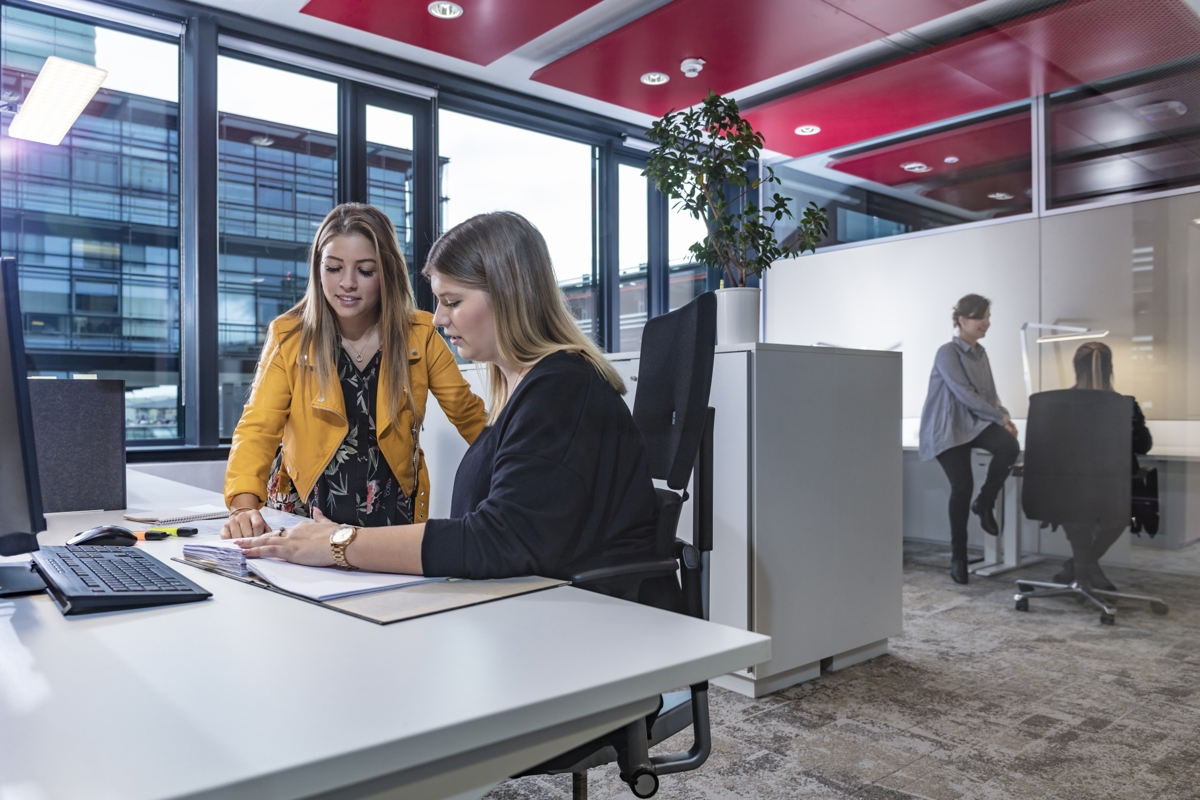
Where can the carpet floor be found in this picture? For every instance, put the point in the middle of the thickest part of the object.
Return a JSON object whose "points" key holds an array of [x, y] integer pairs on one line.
{"points": [[975, 700]]}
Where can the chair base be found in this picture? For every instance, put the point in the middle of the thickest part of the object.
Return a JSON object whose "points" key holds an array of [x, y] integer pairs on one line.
{"points": [[1027, 590]]}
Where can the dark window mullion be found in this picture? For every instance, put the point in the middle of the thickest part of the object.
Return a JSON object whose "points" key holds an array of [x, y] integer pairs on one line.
{"points": [[658, 279], [607, 214]]}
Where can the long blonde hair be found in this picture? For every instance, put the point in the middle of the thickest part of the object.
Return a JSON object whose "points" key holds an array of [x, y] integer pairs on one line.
{"points": [[319, 333], [503, 254], [1093, 366]]}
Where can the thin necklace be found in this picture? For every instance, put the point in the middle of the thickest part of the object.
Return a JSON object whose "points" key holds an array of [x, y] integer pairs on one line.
{"points": [[358, 354]]}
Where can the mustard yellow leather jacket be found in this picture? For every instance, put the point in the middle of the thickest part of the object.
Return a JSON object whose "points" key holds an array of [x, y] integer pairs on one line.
{"points": [[311, 425]]}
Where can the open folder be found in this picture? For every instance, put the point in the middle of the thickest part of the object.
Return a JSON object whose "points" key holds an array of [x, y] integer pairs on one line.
{"points": [[374, 596]]}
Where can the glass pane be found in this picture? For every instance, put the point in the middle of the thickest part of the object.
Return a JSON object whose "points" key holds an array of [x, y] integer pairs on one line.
{"points": [[973, 171], [687, 279], [632, 256], [94, 221], [487, 166], [277, 179], [389, 170], [1115, 138]]}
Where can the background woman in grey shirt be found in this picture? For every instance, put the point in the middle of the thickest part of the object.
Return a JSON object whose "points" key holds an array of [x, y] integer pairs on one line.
{"points": [[962, 411]]}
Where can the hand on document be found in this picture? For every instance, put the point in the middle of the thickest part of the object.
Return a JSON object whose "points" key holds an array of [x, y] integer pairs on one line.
{"points": [[306, 543]]}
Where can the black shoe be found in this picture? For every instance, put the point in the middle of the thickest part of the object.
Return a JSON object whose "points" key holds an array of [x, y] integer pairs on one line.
{"points": [[987, 519], [1066, 575], [1098, 579], [958, 570]]}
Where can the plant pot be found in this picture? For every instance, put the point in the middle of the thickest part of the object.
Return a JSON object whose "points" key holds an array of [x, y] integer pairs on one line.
{"points": [[738, 314]]}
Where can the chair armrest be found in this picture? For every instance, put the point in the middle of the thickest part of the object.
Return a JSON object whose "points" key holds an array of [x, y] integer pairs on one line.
{"points": [[640, 569]]}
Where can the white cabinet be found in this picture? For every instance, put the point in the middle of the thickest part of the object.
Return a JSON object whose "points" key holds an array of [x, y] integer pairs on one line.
{"points": [[808, 523]]}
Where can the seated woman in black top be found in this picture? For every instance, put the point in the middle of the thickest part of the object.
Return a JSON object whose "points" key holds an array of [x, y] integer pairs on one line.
{"points": [[1094, 370], [557, 478]]}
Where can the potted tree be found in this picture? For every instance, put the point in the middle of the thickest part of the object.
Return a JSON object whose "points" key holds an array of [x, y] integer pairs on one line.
{"points": [[701, 162]]}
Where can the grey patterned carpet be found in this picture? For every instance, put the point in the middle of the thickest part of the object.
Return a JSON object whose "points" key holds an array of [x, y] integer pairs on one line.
{"points": [[976, 700]]}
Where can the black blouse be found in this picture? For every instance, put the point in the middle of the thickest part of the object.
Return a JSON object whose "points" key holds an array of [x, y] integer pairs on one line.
{"points": [[357, 486], [560, 479]]}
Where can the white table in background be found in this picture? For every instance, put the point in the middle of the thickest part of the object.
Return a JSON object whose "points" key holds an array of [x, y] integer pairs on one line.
{"points": [[252, 694]]}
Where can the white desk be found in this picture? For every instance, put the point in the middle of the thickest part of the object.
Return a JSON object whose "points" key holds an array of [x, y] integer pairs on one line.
{"points": [[255, 695]]}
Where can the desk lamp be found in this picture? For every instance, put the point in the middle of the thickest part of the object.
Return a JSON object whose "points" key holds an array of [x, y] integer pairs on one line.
{"points": [[1066, 333]]}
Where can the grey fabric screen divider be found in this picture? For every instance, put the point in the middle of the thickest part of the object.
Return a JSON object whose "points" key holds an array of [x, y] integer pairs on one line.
{"points": [[79, 432]]}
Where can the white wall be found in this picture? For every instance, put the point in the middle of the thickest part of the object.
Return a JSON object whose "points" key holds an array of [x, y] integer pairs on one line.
{"points": [[903, 291]]}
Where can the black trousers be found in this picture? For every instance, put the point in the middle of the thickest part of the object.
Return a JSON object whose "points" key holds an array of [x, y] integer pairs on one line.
{"points": [[956, 462]]}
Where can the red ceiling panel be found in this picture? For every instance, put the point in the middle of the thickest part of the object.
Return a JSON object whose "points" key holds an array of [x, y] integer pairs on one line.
{"points": [[743, 43], [985, 144], [487, 30], [900, 15], [1069, 44]]}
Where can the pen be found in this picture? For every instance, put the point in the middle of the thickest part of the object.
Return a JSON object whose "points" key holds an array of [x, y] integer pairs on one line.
{"points": [[181, 530]]}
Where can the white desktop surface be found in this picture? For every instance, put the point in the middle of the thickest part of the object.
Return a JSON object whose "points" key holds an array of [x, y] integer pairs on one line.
{"points": [[251, 694]]}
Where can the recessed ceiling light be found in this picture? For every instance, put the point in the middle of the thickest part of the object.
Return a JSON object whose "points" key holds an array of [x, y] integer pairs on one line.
{"points": [[446, 10], [262, 141], [655, 78], [915, 166], [59, 95], [951, 159], [807, 130], [1000, 196]]}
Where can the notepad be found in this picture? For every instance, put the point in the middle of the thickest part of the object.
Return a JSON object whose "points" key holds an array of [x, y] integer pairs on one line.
{"points": [[177, 516], [315, 583]]}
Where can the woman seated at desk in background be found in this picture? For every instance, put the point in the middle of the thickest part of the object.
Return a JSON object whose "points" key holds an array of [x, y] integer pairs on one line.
{"points": [[558, 477], [962, 411], [348, 410], [1094, 370]]}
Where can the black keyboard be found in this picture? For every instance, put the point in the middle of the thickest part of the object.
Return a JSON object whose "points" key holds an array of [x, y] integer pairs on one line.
{"points": [[84, 579]]}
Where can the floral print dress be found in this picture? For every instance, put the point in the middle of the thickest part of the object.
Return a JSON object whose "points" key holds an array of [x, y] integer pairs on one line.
{"points": [[357, 486]]}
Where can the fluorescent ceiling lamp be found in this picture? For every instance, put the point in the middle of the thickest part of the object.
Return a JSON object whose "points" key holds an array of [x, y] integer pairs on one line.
{"points": [[62, 90]]}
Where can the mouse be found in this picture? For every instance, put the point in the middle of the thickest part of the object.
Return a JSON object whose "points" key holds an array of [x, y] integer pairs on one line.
{"points": [[104, 535]]}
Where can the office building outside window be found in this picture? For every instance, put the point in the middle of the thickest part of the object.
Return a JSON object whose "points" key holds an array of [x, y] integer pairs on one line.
{"points": [[488, 166], [94, 221], [686, 280], [277, 173]]}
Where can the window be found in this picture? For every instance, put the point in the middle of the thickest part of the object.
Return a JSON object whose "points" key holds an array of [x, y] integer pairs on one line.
{"points": [[390, 171], [277, 173], [686, 279], [94, 221], [633, 254], [488, 166]]}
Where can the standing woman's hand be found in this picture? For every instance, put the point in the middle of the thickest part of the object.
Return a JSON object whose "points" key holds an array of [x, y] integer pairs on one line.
{"points": [[1011, 428], [245, 520]]}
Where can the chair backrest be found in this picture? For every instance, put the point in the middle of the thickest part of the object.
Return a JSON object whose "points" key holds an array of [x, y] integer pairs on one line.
{"points": [[674, 378], [1078, 447]]}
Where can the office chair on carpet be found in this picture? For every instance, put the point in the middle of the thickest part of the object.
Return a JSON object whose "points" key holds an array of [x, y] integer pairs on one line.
{"points": [[671, 411], [1078, 449]]}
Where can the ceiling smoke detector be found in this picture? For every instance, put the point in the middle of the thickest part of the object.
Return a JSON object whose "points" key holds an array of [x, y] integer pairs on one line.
{"points": [[262, 141], [915, 166], [691, 66], [807, 130], [446, 10], [655, 78], [1164, 110], [1000, 196]]}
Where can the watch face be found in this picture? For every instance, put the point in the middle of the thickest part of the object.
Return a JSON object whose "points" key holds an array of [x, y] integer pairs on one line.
{"points": [[342, 535]]}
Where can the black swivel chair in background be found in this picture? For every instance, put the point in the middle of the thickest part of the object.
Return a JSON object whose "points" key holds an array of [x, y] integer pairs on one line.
{"points": [[1078, 451], [671, 411]]}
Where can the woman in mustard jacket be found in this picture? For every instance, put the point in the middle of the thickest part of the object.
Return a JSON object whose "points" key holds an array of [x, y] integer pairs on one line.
{"points": [[342, 384]]}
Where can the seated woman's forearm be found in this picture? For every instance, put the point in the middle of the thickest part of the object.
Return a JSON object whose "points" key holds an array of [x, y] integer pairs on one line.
{"points": [[396, 548]]}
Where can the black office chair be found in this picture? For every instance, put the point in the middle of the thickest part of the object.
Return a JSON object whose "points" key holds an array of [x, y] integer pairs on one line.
{"points": [[1078, 450], [671, 411]]}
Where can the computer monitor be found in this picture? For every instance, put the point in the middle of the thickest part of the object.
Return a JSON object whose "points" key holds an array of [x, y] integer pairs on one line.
{"points": [[21, 515]]}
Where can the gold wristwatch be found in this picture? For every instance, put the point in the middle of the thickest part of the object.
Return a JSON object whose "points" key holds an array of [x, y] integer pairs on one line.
{"points": [[339, 540]]}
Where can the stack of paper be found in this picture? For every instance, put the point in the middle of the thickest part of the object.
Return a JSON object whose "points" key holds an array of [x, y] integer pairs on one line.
{"points": [[315, 583], [221, 556]]}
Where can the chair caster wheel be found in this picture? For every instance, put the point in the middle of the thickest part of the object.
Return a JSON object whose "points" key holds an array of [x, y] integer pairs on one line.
{"points": [[1107, 619], [643, 783], [1158, 608], [1023, 604]]}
